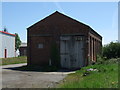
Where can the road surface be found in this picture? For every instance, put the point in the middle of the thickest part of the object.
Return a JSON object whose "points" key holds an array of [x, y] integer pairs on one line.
{"points": [[29, 79]]}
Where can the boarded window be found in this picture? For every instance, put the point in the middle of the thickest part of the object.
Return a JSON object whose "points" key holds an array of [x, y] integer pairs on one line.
{"points": [[40, 45]]}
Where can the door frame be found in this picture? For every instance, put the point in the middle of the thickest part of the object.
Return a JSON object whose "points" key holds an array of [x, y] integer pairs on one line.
{"points": [[5, 53]]}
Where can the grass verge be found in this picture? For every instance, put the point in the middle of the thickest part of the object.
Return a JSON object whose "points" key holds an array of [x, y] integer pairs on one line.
{"points": [[14, 60], [105, 77]]}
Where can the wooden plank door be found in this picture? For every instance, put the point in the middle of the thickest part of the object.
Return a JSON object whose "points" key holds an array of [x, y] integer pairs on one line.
{"points": [[80, 53], [77, 52], [72, 52], [64, 52]]}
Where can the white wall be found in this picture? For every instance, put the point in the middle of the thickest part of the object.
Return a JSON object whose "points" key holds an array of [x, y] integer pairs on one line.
{"points": [[8, 42], [0, 45]]}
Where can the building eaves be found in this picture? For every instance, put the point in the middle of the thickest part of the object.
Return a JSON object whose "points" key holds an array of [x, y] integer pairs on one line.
{"points": [[7, 33]]}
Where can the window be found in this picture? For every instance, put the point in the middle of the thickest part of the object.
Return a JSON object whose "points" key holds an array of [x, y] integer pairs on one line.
{"points": [[40, 45]]}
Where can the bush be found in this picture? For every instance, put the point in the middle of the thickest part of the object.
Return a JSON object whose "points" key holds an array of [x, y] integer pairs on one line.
{"points": [[100, 59], [111, 50]]}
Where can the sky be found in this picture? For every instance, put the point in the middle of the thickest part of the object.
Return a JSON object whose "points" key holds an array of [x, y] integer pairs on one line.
{"points": [[101, 16]]}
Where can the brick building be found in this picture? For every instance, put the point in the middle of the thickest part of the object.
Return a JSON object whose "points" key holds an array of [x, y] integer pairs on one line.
{"points": [[78, 43], [23, 49]]}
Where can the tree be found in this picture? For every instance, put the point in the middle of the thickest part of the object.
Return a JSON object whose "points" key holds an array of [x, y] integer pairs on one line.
{"points": [[112, 50], [17, 41]]}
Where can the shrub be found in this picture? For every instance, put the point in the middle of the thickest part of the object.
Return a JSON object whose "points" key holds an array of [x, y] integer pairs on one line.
{"points": [[111, 50], [100, 59]]}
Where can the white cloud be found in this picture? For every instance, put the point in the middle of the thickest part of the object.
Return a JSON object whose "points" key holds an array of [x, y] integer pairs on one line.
{"points": [[59, 7]]}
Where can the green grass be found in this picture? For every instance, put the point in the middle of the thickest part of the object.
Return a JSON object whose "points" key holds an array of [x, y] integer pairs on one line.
{"points": [[14, 60], [105, 77]]}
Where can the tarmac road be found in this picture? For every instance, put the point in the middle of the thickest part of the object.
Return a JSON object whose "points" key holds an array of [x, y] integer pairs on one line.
{"points": [[30, 79]]}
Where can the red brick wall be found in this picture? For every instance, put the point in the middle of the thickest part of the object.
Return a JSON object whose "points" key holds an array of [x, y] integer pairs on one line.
{"points": [[50, 29], [95, 44]]}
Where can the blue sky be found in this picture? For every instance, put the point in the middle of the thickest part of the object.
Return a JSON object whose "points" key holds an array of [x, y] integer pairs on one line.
{"points": [[101, 16]]}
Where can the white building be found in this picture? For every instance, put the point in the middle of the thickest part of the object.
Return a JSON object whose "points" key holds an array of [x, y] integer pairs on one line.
{"points": [[7, 44]]}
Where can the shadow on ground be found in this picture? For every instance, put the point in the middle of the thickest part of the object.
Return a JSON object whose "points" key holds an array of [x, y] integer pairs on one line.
{"points": [[40, 69]]}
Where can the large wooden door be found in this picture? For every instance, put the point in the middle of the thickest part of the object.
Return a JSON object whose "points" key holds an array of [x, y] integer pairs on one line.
{"points": [[72, 51], [79, 51]]}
